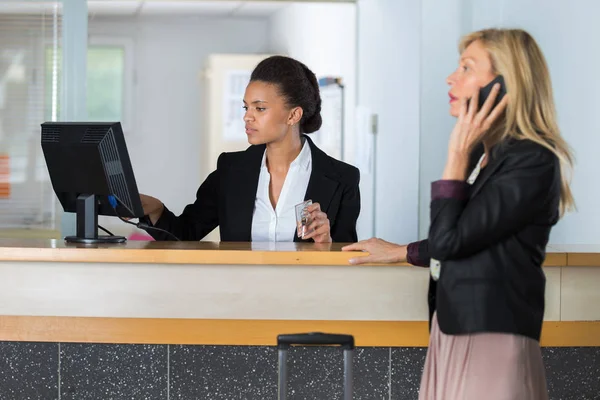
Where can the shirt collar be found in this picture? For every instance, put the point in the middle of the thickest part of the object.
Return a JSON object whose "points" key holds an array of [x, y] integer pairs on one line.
{"points": [[303, 161]]}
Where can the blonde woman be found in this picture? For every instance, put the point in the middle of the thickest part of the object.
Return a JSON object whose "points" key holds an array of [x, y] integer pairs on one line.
{"points": [[504, 186]]}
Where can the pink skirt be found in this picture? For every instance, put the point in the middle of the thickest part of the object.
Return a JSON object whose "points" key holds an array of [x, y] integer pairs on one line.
{"points": [[482, 366]]}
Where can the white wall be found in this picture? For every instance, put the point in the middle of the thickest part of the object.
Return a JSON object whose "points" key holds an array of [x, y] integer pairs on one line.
{"points": [[389, 85], [169, 54], [568, 35], [442, 25]]}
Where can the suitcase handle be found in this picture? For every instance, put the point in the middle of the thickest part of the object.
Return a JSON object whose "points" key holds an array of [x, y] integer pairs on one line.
{"points": [[315, 339]]}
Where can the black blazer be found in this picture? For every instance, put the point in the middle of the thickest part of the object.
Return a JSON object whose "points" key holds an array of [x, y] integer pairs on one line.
{"points": [[492, 244], [226, 198]]}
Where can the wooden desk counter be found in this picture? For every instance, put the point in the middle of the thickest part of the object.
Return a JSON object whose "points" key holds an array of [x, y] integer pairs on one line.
{"points": [[247, 293], [579, 255], [244, 253], [53, 250]]}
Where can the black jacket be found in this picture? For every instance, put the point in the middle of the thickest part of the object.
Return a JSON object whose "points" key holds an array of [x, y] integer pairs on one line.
{"points": [[226, 198], [492, 244]]}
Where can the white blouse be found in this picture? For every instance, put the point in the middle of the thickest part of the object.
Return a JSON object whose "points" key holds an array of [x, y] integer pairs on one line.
{"points": [[279, 224]]}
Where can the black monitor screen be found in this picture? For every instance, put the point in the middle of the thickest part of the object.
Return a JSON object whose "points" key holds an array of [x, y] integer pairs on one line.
{"points": [[90, 159]]}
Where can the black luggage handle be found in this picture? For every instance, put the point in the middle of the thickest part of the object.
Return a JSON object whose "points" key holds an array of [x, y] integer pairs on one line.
{"points": [[315, 339]]}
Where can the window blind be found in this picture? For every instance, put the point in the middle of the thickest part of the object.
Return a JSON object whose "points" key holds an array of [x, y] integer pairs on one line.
{"points": [[27, 200]]}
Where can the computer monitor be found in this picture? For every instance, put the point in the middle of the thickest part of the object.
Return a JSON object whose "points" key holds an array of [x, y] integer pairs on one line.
{"points": [[91, 175]]}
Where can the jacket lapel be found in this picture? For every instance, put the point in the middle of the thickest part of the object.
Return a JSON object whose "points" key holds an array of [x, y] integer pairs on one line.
{"points": [[323, 183], [246, 175], [496, 160]]}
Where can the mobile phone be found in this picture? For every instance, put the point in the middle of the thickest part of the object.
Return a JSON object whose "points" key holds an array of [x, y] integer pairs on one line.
{"points": [[485, 91]]}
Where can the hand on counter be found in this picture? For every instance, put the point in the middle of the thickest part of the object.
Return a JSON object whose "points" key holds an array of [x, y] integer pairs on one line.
{"points": [[379, 251]]}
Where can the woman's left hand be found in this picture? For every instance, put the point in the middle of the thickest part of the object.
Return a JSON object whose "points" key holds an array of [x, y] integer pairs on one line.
{"points": [[318, 228], [379, 251]]}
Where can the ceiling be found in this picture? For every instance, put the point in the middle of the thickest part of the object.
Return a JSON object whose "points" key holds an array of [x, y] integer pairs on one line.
{"points": [[186, 7], [235, 8]]}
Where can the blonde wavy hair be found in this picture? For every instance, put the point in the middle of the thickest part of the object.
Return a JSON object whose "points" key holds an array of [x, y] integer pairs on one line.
{"points": [[530, 113]]}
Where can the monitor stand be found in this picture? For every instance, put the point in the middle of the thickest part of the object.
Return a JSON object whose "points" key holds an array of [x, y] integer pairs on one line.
{"points": [[87, 223]]}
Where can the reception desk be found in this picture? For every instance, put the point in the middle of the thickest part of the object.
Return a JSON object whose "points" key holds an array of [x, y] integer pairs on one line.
{"points": [[179, 320], [248, 293]]}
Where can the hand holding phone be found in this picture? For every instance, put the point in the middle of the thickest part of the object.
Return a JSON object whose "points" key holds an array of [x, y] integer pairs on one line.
{"points": [[471, 127]]}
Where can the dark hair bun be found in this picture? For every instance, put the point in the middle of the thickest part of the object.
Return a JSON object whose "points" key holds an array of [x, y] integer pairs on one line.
{"points": [[314, 122]]}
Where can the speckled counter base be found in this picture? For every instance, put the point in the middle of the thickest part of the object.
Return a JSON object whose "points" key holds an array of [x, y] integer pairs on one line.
{"points": [[100, 371]]}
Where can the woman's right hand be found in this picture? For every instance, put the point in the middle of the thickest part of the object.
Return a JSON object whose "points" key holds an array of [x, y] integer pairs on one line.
{"points": [[379, 251], [153, 207]]}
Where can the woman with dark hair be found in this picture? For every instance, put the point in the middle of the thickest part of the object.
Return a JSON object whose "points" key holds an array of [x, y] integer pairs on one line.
{"points": [[253, 193]]}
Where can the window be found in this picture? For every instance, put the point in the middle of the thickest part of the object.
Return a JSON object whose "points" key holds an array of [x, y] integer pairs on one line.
{"points": [[30, 93], [106, 69], [107, 84], [26, 196]]}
